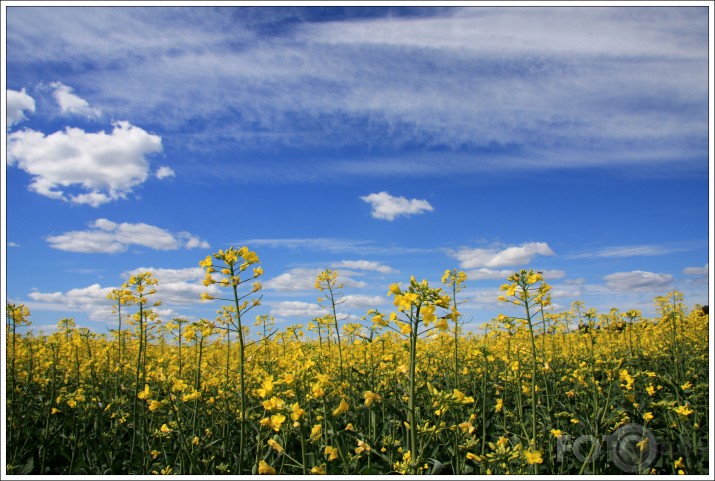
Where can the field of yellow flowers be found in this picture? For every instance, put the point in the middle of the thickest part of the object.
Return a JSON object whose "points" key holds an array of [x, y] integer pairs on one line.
{"points": [[408, 391]]}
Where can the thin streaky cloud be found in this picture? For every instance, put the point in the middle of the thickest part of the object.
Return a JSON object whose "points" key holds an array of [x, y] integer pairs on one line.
{"points": [[324, 83], [336, 245], [628, 251]]}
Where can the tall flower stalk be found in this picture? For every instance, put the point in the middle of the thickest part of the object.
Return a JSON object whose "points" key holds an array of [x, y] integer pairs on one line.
{"points": [[17, 315], [137, 290], [454, 280], [230, 265], [416, 306], [528, 290], [327, 283]]}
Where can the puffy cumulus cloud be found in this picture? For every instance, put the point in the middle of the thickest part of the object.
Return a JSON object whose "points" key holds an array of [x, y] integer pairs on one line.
{"points": [[303, 279], [636, 281], [164, 172], [72, 104], [697, 271], [297, 309], [107, 237], [17, 104], [105, 166], [511, 256], [91, 299], [363, 265], [178, 286], [387, 207]]}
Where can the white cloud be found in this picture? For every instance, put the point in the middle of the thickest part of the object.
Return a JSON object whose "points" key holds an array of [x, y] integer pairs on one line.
{"points": [[297, 309], [387, 207], [163, 172], [486, 273], [164, 275], [178, 286], [13, 244], [105, 236], [697, 271], [106, 166], [366, 302], [72, 104], [192, 242], [298, 279], [550, 274], [511, 256], [328, 244], [562, 291], [636, 281], [364, 265], [303, 279], [628, 251], [91, 299], [17, 104], [350, 79]]}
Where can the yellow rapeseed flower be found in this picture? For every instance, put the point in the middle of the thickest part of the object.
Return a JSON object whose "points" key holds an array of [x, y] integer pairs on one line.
{"points": [[265, 468], [145, 394], [318, 469], [533, 457], [684, 410], [371, 397], [315, 432], [331, 452], [341, 408], [274, 444]]}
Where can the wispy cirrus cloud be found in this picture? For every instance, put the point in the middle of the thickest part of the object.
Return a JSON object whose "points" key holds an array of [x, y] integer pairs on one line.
{"points": [[334, 245], [628, 251], [107, 237], [376, 84], [697, 271], [365, 265]]}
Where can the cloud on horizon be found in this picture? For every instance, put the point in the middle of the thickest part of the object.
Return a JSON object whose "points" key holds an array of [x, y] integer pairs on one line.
{"points": [[492, 257], [107, 237]]}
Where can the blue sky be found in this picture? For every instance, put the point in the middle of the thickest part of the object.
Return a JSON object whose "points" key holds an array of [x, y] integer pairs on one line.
{"points": [[382, 142]]}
